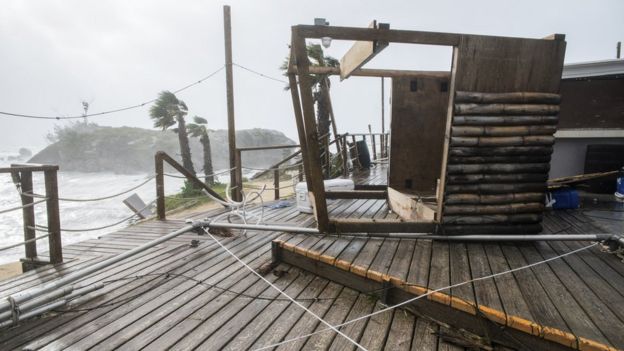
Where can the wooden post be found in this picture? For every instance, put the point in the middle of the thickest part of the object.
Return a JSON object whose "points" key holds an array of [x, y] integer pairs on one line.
{"points": [[345, 162], [160, 187], [317, 188], [327, 157], [294, 93], [227, 30], [28, 214], [276, 183], [237, 194], [54, 221]]}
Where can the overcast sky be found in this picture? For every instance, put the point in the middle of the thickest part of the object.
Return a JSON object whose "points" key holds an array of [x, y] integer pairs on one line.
{"points": [[56, 53]]}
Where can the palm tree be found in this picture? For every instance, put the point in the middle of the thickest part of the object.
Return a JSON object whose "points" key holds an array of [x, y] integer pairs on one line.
{"points": [[199, 130], [167, 111], [320, 91]]}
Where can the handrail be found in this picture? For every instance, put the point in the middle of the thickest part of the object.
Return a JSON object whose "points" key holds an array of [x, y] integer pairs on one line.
{"points": [[159, 159], [22, 177]]}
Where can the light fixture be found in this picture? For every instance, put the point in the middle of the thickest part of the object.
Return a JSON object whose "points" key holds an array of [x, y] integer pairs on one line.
{"points": [[326, 41]]}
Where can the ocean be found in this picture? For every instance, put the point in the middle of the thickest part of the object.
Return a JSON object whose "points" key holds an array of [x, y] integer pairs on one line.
{"points": [[74, 215]]}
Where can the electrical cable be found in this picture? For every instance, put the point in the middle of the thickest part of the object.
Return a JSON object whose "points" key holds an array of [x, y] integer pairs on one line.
{"points": [[260, 74], [110, 111]]}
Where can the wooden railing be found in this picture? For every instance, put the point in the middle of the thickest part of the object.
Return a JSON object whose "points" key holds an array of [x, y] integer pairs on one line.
{"points": [[275, 168], [160, 158], [376, 139], [23, 176]]}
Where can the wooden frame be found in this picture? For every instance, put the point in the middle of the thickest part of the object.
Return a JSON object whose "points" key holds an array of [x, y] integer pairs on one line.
{"points": [[551, 50]]}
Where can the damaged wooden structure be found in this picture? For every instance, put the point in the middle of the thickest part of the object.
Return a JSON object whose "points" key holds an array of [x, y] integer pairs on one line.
{"points": [[469, 148]]}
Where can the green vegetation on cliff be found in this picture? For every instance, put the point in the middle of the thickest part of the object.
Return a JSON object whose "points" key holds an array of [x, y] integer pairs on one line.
{"points": [[92, 148]]}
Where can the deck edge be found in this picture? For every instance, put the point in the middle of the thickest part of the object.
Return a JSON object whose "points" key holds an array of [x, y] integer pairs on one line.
{"points": [[501, 318]]}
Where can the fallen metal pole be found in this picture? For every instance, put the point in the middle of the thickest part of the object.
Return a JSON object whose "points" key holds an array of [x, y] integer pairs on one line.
{"points": [[40, 309], [21, 297], [267, 227], [420, 236]]}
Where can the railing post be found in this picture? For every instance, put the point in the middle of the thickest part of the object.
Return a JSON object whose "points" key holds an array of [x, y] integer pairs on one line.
{"points": [[54, 221], [301, 172], [160, 187], [238, 187], [28, 214], [345, 161], [276, 183]]}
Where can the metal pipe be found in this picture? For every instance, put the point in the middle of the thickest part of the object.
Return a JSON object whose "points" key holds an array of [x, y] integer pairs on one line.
{"points": [[29, 305], [56, 304], [420, 236], [268, 227], [35, 292]]}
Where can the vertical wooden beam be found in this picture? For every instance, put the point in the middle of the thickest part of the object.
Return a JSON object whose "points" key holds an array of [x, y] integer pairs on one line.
{"points": [[160, 187], [383, 120], [309, 119], [237, 189], [276, 183], [54, 220], [294, 93], [227, 30], [333, 119], [28, 214], [345, 155], [447, 136]]}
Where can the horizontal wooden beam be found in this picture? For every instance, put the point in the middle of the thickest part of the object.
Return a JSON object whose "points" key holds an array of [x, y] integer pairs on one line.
{"points": [[347, 225], [390, 35], [361, 52], [271, 147], [371, 186], [29, 168], [375, 72], [356, 194]]}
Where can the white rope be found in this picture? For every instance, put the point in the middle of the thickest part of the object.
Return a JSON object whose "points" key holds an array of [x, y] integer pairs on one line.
{"points": [[44, 228], [24, 242], [406, 302], [21, 207], [273, 169], [33, 195], [330, 327], [201, 175]]}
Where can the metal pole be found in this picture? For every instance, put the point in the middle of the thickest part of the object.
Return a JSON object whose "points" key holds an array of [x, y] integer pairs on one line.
{"points": [[23, 296], [618, 49], [227, 30]]}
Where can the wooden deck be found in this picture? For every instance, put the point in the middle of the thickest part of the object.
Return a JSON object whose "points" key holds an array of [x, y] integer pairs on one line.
{"points": [[180, 297]]}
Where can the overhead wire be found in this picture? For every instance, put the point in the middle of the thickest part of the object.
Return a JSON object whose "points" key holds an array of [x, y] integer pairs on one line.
{"points": [[11, 114], [260, 74]]}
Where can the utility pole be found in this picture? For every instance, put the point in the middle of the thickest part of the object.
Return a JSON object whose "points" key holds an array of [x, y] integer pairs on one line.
{"points": [[618, 49], [382, 147], [85, 107], [227, 30]]}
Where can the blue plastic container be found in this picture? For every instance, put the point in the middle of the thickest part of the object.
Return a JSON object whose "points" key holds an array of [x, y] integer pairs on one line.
{"points": [[567, 198], [619, 189]]}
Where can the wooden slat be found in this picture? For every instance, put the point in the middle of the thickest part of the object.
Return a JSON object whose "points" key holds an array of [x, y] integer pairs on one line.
{"points": [[360, 53]]}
